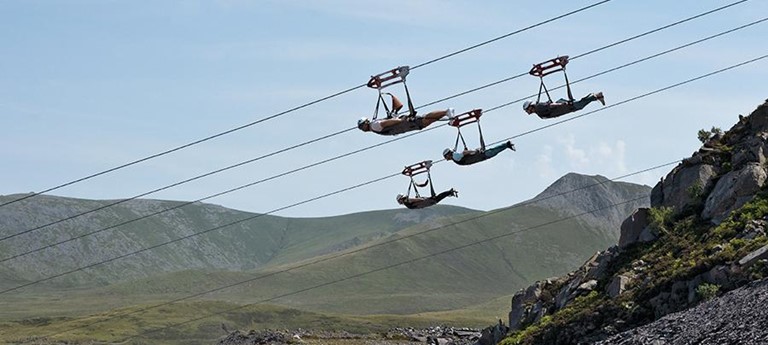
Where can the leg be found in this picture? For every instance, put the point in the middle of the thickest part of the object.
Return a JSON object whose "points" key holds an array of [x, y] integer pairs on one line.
{"points": [[580, 104], [396, 104], [444, 195], [432, 117], [489, 153]]}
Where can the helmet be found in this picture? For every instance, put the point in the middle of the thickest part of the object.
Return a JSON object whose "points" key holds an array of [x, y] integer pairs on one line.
{"points": [[527, 104], [362, 122], [400, 198], [447, 152]]}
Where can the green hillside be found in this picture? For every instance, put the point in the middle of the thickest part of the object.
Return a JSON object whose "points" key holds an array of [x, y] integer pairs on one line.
{"points": [[260, 241], [458, 287], [453, 280], [448, 281], [442, 263]]}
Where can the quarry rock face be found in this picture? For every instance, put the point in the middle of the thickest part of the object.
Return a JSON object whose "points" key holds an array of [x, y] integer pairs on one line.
{"points": [[728, 171]]}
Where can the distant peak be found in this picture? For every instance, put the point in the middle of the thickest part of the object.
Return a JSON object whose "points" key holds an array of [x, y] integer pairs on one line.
{"points": [[575, 180]]}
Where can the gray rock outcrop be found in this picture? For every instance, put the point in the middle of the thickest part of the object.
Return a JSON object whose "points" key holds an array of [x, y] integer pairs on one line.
{"points": [[678, 188], [754, 257], [733, 190], [726, 172], [547, 296], [617, 286], [636, 229]]}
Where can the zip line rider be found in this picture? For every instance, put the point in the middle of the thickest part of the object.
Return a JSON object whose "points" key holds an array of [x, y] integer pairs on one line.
{"points": [[422, 202], [395, 124], [551, 109], [418, 201], [403, 123], [467, 157]]}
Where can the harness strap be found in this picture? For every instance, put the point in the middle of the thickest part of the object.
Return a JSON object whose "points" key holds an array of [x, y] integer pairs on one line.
{"points": [[482, 141], [383, 102], [568, 86], [544, 87], [415, 190], [411, 109], [463, 142], [431, 185]]}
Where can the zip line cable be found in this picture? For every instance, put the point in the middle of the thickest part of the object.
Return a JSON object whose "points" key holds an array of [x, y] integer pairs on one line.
{"points": [[431, 103], [376, 245], [642, 96], [640, 60], [626, 100], [516, 32], [658, 29], [195, 234], [345, 155], [222, 193], [591, 51], [334, 158], [121, 201], [285, 112], [402, 263], [350, 188]]}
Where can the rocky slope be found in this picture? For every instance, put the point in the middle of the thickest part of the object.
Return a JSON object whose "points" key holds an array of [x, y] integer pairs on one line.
{"points": [[704, 234], [735, 318]]}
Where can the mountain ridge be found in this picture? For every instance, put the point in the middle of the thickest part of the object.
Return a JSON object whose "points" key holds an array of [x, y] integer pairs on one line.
{"points": [[254, 243]]}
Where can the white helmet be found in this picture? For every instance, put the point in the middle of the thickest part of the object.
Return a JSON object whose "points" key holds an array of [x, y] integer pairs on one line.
{"points": [[447, 152], [400, 198], [362, 122], [527, 104]]}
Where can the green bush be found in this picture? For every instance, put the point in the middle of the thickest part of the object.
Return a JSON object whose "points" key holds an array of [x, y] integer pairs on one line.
{"points": [[660, 218], [705, 135], [707, 291], [695, 191]]}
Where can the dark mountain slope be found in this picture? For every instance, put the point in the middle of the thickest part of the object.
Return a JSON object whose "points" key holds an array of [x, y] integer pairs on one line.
{"points": [[592, 193]]}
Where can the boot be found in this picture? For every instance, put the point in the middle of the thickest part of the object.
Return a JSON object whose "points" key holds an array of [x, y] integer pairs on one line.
{"points": [[600, 98]]}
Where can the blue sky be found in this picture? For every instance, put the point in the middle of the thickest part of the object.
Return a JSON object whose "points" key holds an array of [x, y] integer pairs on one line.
{"points": [[89, 85]]}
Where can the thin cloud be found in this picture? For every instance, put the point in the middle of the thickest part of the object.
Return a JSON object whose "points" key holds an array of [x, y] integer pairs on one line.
{"points": [[576, 157], [543, 163]]}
